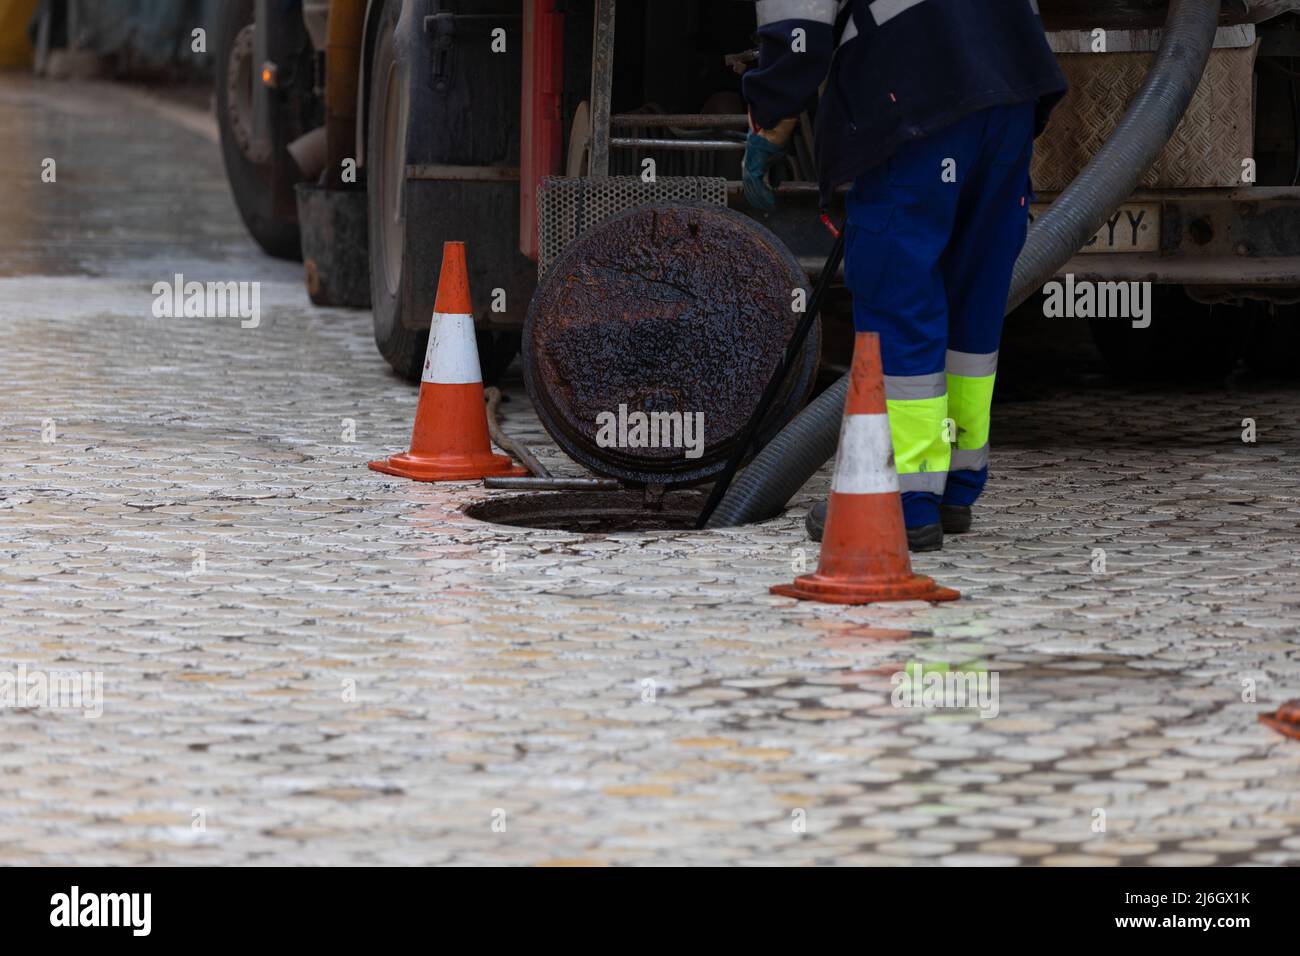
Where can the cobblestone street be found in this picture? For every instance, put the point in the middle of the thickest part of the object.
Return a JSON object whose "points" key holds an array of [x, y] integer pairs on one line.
{"points": [[307, 662]]}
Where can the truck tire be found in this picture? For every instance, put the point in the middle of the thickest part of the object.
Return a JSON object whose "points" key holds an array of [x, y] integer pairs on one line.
{"points": [[389, 115], [402, 292], [1274, 347], [1187, 341], [262, 186]]}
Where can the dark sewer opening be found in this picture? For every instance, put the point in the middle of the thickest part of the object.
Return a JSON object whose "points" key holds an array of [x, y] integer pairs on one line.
{"points": [[607, 512]]}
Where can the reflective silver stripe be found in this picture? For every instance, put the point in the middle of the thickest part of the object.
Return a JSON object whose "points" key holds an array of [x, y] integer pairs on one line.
{"points": [[931, 481], [911, 388], [1033, 5], [821, 11], [850, 32], [865, 463], [972, 364], [886, 10], [969, 459]]}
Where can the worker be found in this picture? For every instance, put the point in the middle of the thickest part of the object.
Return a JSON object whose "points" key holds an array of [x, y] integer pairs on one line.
{"points": [[930, 109]]}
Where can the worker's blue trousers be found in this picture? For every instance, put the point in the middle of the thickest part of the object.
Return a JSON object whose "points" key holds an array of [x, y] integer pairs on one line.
{"points": [[933, 236]]}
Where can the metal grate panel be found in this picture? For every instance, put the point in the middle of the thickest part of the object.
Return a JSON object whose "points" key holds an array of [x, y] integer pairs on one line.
{"points": [[569, 207], [1216, 133]]}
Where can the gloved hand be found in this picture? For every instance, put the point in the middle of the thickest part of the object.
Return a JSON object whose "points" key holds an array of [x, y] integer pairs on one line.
{"points": [[765, 153]]}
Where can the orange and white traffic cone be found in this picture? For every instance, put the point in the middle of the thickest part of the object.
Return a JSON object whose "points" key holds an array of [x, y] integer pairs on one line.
{"points": [[1286, 721], [450, 440], [864, 556]]}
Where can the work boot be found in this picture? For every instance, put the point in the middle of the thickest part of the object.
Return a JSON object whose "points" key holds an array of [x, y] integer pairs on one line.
{"points": [[925, 538], [955, 518]]}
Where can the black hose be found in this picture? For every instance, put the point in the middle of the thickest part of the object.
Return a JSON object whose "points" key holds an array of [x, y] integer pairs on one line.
{"points": [[787, 462], [793, 353]]}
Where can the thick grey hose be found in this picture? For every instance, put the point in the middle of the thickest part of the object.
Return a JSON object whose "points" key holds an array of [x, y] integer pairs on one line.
{"points": [[787, 462]]}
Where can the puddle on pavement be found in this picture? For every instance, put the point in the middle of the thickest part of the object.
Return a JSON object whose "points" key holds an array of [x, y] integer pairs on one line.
{"points": [[603, 512]]}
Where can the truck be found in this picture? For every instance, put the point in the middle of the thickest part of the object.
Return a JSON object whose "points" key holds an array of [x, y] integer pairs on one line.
{"points": [[488, 120]]}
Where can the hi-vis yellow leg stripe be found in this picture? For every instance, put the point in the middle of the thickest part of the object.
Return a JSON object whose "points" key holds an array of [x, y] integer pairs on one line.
{"points": [[970, 400], [921, 451]]}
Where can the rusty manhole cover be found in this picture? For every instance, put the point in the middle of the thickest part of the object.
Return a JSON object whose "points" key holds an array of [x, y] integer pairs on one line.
{"points": [[649, 343]]}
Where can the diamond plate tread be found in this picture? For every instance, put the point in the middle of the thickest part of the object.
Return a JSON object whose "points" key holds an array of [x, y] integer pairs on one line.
{"points": [[1206, 150]]}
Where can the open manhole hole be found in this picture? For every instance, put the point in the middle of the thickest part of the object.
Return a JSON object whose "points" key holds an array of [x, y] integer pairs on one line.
{"points": [[593, 512]]}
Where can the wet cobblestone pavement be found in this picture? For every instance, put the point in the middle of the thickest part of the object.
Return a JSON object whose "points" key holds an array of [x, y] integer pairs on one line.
{"points": [[307, 662]]}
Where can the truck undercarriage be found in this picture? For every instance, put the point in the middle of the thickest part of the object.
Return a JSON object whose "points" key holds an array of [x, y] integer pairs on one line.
{"points": [[456, 136]]}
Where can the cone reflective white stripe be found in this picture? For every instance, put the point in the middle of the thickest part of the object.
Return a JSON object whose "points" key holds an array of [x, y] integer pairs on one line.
{"points": [[452, 356], [865, 464]]}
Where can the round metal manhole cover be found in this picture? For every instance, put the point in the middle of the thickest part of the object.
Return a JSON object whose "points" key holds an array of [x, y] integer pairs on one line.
{"points": [[651, 340], [595, 513]]}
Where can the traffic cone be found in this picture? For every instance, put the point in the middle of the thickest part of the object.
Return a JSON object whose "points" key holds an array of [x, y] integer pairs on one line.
{"points": [[450, 440], [1286, 721], [864, 556]]}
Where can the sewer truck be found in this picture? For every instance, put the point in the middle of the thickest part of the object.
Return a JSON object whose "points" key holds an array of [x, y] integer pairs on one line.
{"points": [[363, 134]]}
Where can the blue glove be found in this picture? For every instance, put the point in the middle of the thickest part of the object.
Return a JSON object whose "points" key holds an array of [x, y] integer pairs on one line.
{"points": [[764, 166]]}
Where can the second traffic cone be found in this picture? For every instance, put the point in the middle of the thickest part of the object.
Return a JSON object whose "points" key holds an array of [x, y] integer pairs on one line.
{"points": [[1286, 721], [864, 556], [450, 440]]}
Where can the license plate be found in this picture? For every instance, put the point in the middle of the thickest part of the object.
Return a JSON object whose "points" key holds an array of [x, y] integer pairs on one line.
{"points": [[1135, 227]]}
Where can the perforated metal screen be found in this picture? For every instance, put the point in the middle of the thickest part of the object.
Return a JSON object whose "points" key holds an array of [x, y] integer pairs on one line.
{"points": [[569, 207]]}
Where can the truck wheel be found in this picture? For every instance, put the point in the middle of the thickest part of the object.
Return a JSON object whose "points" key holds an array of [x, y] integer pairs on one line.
{"points": [[262, 185], [1187, 341], [397, 290], [1274, 348], [389, 114]]}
